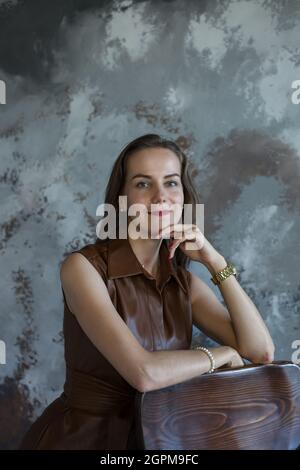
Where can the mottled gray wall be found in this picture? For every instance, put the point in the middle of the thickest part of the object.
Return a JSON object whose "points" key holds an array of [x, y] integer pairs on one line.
{"points": [[83, 79]]}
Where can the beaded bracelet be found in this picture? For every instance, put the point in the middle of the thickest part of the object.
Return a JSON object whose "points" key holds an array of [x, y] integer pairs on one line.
{"points": [[211, 357]]}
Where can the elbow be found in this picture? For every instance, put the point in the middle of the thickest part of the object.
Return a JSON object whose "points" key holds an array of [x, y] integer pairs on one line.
{"points": [[268, 354], [265, 356], [142, 386], [143, 382]]}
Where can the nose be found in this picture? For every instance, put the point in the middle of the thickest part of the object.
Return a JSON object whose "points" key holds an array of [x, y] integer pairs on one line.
{"points": [[160, 196]]}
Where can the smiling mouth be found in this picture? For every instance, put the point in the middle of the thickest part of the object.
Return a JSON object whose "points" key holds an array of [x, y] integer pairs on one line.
{"points": [[160, 213]]}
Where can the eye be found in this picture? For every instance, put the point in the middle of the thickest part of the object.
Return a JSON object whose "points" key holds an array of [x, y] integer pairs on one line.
{"points": [[171, 183], [140, 182]]}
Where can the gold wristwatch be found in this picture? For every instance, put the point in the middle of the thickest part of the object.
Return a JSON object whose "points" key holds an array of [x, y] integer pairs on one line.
{"points": [[224, 274]]}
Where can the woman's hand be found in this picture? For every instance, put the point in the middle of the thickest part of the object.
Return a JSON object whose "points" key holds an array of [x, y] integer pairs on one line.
{"points": [[189, 235], [235, 360], [226, 357]]}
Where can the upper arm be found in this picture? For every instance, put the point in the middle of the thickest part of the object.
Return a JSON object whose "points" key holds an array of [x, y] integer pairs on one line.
{"points": [[209, 315], [88, 299]]}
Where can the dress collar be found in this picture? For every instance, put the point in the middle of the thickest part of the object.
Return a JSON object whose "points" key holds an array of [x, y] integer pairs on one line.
{"points": [[122, 262]]}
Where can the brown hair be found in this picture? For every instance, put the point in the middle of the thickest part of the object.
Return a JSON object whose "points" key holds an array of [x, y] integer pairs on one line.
{"points": [[117, 179]]}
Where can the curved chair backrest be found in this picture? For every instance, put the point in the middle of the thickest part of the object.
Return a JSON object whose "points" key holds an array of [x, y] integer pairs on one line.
{"points": [[250, 407]]}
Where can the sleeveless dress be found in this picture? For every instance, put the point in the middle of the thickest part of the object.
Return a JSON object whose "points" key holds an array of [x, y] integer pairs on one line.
{"points": [[96, 408]]}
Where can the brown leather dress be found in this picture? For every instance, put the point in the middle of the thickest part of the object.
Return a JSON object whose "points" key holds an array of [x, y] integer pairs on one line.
{"points": [[96, 407]]}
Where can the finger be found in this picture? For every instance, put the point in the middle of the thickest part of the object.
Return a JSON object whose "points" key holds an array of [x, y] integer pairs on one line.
{"points": [[175, 245], [179, 233], [189, 235], [187, 240], [177, 227]]}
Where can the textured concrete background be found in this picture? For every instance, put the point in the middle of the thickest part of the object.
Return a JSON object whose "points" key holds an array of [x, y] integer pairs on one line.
{"points": [[86, 77]]}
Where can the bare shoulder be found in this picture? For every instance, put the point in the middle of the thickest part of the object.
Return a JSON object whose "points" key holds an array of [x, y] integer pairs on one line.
{"points": [[80, 279], [76, 264], [73, 261]]}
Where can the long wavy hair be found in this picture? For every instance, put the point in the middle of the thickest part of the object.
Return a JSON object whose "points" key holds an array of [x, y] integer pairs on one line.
{"points": [[118, 174]]}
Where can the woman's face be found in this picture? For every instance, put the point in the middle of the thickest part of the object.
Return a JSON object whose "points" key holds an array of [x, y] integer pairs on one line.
{"points": [[153, 179]]}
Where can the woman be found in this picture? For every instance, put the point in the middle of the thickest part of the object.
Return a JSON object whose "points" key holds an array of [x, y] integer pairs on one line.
{"points": [[129, 307]]}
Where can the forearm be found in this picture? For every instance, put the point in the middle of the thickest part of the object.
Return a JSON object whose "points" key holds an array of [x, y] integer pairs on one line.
{"points": [[252, 335], [169, 367]]}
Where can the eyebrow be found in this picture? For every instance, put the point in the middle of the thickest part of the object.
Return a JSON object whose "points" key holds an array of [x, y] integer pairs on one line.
{"points": [[140, 175]]}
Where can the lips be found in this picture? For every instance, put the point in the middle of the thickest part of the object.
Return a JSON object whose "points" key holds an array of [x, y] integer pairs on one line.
{"points": [[160, 213]]}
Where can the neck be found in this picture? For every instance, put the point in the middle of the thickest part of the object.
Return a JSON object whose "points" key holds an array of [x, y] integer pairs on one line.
{"points": [[147, 252]]}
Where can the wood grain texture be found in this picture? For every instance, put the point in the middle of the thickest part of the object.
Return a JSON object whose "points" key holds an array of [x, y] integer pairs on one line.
{"points": [[253, 407]]}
